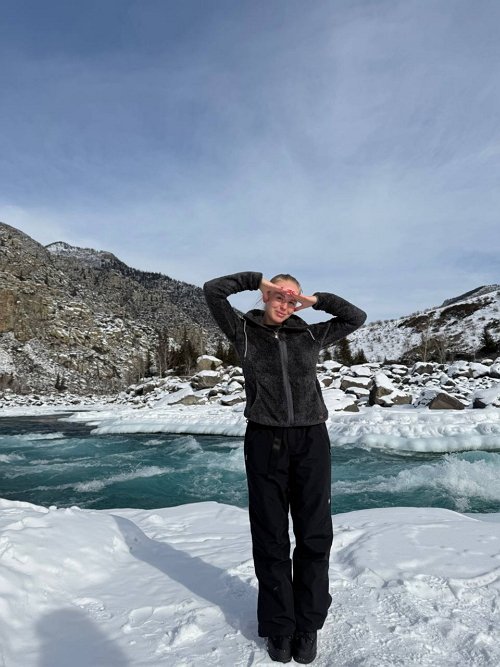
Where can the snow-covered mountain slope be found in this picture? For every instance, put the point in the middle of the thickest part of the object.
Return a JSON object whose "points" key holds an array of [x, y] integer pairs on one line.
{"points": [[455, 329]]}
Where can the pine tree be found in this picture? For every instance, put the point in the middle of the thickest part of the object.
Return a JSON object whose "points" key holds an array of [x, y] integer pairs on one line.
{"points": [[343, 352], [489, 345], [360, 357]]}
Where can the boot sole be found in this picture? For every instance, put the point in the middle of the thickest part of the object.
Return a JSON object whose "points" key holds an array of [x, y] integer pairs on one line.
{"points": [[277, 658], [302, 661]]}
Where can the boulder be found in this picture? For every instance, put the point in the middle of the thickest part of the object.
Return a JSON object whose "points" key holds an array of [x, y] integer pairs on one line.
{"points": [[483, 398], [205, 379], [350, 381], [385, 394], [479, 370], [360, 370], [396, 397], [444, 401], [494, 370], [382, 386], [329, 365], [207, 363], [459, 369], [233, 399], [421, 367]]}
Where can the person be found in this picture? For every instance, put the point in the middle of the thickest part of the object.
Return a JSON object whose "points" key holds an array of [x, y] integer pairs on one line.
{"points": [[287, 450]]}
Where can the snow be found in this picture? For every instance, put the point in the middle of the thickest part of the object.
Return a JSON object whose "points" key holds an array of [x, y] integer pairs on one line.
{"points": [[176, 586], [400, 428], [381, 380]]}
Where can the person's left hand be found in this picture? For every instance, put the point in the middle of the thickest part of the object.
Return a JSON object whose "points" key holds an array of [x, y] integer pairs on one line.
{"points": [[305, 301]]}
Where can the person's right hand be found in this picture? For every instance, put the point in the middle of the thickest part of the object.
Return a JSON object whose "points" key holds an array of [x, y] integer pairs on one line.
{"points": [[267, 288]]}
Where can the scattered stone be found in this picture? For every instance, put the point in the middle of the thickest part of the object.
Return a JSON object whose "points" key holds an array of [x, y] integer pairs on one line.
{"points": [[207, 363], [479, 370], [349, 381], [484, 398], [205, 379], [459, 369], [422, 367], [232, 400], [444, 401]]}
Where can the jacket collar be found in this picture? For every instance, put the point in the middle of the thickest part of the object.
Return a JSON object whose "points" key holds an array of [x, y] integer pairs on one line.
{"points": [[293, 323]]}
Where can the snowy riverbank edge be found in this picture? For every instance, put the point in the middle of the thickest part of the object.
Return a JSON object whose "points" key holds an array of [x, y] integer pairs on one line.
{"points": [[176, 586], [400, 428]]}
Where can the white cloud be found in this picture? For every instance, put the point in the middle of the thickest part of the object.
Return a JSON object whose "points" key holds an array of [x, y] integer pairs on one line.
{"points": [[352, 145]]}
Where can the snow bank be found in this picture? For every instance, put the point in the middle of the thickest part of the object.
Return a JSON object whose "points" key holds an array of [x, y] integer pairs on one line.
{"points": [[399, 429], [176, 586]]}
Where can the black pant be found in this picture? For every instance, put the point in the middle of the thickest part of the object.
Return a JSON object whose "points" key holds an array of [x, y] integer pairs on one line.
{"points": [[289, 468]]}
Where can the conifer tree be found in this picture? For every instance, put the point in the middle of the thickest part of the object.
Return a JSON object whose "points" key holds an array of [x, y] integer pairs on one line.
{"points": [[343, 352]]}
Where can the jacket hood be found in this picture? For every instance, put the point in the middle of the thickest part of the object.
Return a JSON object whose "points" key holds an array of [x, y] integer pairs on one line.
{"points": [[292, 323]]}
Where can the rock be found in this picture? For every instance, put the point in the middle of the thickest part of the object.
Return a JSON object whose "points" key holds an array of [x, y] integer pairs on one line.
{"points": [[349, 381], [459, 369], [207, 363], [396, 397], [421, 367], [494, 370], [399, 369], [447, 381], [483, 398], [479, 370], [382, 386], [360, 370], [329, 365], [190, 399], [444, 401], [205, 379], [232, 400], [358, 392]]}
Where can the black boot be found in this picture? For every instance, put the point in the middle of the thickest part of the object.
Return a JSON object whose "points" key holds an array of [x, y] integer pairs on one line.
{"points": [[305, 645], [279, 648]]}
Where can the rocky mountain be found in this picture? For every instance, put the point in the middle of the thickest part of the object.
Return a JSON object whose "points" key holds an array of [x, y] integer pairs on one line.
{"points": [[81, 319], [463, 327]]}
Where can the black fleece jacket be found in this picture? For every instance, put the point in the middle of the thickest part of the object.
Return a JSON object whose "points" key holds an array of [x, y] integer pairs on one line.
{"points": [[279, 364]]}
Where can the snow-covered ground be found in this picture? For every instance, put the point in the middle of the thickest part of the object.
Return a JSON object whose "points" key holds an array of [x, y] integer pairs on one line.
{"points": [[403, 428], [176, 586]]}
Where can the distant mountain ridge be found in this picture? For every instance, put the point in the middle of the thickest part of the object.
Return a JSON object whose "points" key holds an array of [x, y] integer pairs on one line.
{"points": [[463, 327], [84, 319], [479, 291]]}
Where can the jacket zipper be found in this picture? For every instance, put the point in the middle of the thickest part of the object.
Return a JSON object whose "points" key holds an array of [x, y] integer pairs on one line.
{"points": [[286, 379]]}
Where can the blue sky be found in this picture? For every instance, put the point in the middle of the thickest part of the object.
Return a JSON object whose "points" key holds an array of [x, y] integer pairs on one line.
{"points": [[353, 144]]}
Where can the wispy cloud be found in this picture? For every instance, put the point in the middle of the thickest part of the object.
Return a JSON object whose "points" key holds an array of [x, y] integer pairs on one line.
{"points": [[354, 144]]}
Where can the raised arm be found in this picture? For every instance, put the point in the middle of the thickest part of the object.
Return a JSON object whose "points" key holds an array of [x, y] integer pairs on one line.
{"points": [[348, 318], [216, 293]]}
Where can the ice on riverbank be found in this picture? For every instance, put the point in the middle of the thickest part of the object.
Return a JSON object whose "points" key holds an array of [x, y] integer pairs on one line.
{"points": [[401, 428], [176, 586]]}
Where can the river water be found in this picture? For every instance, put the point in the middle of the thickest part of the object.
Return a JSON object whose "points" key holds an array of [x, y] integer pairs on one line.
{"points": [[46, 461]]}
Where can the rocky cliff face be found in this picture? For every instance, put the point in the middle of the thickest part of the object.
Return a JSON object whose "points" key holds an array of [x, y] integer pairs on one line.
{"points": [[82, 319]]}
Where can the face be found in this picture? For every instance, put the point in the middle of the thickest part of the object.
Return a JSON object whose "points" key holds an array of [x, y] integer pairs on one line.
{"points": [[279, 307]]}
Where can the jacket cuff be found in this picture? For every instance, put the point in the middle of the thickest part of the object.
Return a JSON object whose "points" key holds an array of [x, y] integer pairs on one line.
{"points": [[320, 303]]}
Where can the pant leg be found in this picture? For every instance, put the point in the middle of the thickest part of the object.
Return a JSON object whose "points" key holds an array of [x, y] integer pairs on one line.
{"points": [[268, 508], [310, 498]]}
